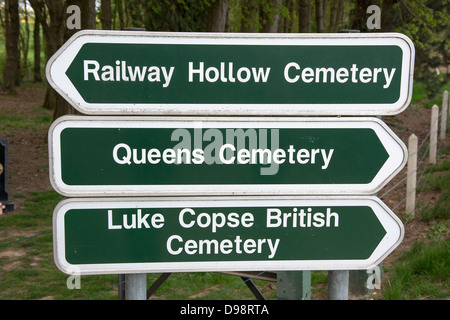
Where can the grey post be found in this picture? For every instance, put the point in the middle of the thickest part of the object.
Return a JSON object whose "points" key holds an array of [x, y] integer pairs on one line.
{"points": [[294, 285], [434, 133], [136, 286], [444, 115], [338, 285]]}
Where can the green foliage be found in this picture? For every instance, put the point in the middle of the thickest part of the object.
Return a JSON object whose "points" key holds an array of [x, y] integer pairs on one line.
{"points": [[432, 100], [427, 24], [18, 121], [40, 207], [437, 179], [255, 15], [421, 273], [419, 92], [175, 15]]}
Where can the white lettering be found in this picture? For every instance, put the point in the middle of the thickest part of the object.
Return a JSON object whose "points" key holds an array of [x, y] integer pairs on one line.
{"points": [[388, 77], [169, 245], [240, 77], [125, 159], [198, 71], [137, 73], [176, 245], [260, 74], [326, 158], [123, 72], [167, 76], [93, 71], [286, 72], [110, 221], [298, 218]]}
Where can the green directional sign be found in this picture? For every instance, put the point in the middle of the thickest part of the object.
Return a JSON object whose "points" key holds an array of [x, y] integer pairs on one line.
{"points": [[199, 156], [217, 234], [104, 72]]}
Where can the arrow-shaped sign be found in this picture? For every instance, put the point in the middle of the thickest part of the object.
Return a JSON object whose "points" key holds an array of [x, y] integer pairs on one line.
{"points": [[98, 236], [116, 72], [95, 156]]}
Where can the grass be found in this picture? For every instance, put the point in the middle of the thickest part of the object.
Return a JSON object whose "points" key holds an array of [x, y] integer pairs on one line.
{"points": [[437, 179], [421, 273], [436, 100], [38, 118], [419, 92], [39, 208], [28, 271]]}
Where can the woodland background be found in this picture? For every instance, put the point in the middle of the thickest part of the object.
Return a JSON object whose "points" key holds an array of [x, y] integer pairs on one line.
{"points": [[33, 30]]}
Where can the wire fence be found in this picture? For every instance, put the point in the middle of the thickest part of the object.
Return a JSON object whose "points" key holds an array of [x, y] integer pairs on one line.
{"points": [[423, 164]]}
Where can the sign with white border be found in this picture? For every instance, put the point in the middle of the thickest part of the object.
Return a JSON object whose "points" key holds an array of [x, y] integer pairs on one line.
{"points": [[112, 156], [200, 234], [157, 73]]}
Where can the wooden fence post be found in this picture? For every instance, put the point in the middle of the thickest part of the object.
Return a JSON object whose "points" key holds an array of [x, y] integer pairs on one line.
{"points": [[444, 114], [412, 175], [433, 133]]}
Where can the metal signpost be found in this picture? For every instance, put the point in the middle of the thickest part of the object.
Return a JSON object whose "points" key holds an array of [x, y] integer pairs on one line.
{"points": [[104, 156], [226, 193], [131, 235]]}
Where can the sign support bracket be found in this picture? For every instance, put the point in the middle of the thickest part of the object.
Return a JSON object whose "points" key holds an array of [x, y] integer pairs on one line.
{"points": [[157, 284]]}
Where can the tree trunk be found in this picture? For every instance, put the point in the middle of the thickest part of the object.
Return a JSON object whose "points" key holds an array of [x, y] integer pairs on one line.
{"points": [[218, 16], [37, 77], [304, 14], [320, 18], [249, 22], [287, 21], [51, 14], [360, 15], [61, 106], [332, 21], [106, 14], [88, 14], [25, 44], [340, 15], [389, 16], [271, 20], [118, 5], [12, 29]]}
